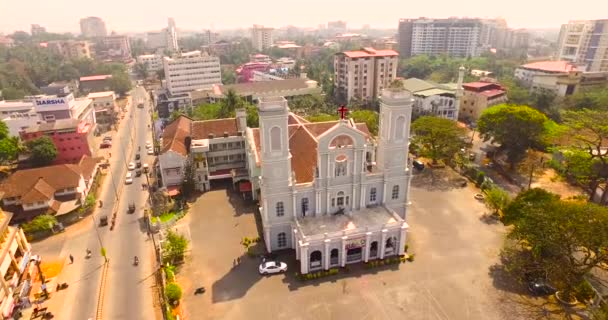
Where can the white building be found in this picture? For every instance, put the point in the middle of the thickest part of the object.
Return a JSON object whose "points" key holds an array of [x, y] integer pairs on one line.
{"points": [[364, 73], [15, 255], [174, 153], [556, 76], [441, 100], [71, 49], [261, 37], [191, 71], [453, 36], [328, 190], [586, 43], [18, 115], [93, 27], [154, 62], [172, 36], [104, 105]]}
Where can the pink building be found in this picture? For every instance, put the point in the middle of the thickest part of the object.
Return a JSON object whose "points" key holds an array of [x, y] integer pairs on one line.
{"points": [[245, 71], [70, 136]]}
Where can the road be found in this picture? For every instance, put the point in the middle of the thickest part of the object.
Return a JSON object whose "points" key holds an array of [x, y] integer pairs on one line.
{"points": [[127, 293]]}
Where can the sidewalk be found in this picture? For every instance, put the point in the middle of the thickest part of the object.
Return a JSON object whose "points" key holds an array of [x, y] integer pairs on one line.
{"points": [[60, 270]]}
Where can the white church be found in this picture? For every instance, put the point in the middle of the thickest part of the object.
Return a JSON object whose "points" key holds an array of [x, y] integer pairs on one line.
{"points": [[329, 190]]}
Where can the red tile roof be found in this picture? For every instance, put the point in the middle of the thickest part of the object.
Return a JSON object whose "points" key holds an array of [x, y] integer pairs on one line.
{"points": [[41, 183], [369, 52], [97, 77], [174, 136], [493, 93], [202, 129], [477, 85], [551, 66]]}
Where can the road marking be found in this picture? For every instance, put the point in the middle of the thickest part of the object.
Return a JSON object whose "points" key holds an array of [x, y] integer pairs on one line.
{"points": [[100, 298]]}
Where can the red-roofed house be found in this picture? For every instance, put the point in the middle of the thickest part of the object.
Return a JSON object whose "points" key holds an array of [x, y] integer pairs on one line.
{"points": [[364, 73], [97, 83], [560, 77], [477, 96]]}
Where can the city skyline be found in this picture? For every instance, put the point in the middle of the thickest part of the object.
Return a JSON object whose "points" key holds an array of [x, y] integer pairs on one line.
{"points": [[132, 17]]}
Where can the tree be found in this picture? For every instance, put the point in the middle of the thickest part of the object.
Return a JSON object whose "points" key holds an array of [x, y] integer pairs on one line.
{"points": [[141, 69], [587, 131], [43, 222], [563, 240], [228, 75], [322, 117], [9, 146], [42, 150], [174, 247], [370, 118], [533, 164], [496, 199], [188, 182], [173, 292], [230, 103], [515, 128], [438, 138], [591, 98], [253, 118], [120, 83]]}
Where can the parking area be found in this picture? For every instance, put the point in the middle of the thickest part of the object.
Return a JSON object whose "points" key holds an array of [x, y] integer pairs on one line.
{"points": [[449, 279]]}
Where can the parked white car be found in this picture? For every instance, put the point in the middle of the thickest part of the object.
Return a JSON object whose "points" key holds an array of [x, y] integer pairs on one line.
{"points": [[129, 178], [270, 267], [148, 145], [131, 166]]}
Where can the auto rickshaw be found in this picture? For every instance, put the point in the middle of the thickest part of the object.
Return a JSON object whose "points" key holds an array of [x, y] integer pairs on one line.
{"points": [[131, 207], [103, 221]]}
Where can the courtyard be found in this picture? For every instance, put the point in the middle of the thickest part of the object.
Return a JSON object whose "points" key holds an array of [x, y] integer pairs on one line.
{"points": [[454, 246]]}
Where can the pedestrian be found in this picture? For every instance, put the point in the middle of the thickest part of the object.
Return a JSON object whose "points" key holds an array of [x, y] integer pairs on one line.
{"points": [[238, 261], [71, 259]]}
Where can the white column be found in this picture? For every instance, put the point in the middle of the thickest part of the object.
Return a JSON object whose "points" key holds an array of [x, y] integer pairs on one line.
{"points": [[318, 203], [267, 239], [353, 197], [384, 193], [368, 236], [304, 258], [265, 210], [402, 238], [326, 254], [293, 202], [294, 240], [383, 243], [328, 202], [363, 196], [343, 256]]}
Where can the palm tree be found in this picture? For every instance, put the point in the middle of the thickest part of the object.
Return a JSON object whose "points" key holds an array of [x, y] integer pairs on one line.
{"points": [[231, 102]]}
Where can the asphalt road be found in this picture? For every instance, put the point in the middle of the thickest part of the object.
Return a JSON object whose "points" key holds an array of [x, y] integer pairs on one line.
{"points": [[127, 293]]}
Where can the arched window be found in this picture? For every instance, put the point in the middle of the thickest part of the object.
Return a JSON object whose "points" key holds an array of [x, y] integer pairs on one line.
{"points": [[372, 195], [282, 240], [395, 194], [341, 165], [340, 198], [400, 128], [304, 206], [275, 139], [280, 209]]}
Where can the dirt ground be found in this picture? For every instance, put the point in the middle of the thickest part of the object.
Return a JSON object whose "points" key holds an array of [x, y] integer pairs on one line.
{"points": [[552, 182]]}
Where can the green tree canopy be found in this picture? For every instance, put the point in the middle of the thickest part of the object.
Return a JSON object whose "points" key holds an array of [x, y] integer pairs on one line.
{"points": [[564, 240], [438, 138], [174, 247], [42, 150], [322, 117], [370, 118], [141, 69], [515, 128], [120, 83], [497, 199]]}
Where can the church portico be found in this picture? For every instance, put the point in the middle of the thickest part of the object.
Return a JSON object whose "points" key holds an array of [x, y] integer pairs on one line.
{"points": [[337, 240]]}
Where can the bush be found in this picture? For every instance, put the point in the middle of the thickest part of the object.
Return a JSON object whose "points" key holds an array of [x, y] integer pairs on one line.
{"points": [[480, 178], [170, 272], [584, 292], [173, 292], [43, 222], [407, 246], [410, 258]]}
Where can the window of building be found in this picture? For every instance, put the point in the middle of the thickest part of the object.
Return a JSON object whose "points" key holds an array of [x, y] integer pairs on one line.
{"points": [[340, 198], [395, 194], [372, 194], [282, 240], [275, 139], [304, 206], [280, 209]]}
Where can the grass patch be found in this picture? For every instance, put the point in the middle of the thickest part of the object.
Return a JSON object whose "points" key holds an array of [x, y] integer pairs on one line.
{"points": [[166, 216]]}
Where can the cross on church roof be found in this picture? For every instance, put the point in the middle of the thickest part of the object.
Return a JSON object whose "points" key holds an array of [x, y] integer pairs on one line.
{"points": [[342, 111]]}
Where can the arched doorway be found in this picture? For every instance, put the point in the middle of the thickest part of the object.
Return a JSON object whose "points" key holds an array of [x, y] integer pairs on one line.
{"points": [[315, 260], [373, 249], [340, 199], [391, 245], [334, 257]]}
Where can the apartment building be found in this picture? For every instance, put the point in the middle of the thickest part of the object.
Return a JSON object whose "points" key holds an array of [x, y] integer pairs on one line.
{"points": [[37, 29], [261, 37], [362, 74], [477, 97], [561, 77], [18, 115], [106, 110], [93, 27], [115, 47], [71, 137], [71, 49], [453, 36], [171, 31], [96, 83], [585, 43], [185, 72], [154, 62]]}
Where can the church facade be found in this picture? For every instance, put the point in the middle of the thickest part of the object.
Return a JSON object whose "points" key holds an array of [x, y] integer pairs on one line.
{"points": [[330, 190]]}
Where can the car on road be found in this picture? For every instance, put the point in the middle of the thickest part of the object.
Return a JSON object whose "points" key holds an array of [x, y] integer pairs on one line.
{"points": [[137, 156], [418, 164], [138, 164], [148, 145], [138, 173], [105, 144], [103, 221], [131, 166], [107, 138], [270, 267], [146, 167], [129, 178], [150, 151]]}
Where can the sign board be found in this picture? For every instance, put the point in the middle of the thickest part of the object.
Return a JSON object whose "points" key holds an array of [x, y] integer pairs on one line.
{"points": [[355, 243]]}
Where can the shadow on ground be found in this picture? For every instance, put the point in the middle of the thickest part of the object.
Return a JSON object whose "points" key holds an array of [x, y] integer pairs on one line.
{"points": [[437, 179]]}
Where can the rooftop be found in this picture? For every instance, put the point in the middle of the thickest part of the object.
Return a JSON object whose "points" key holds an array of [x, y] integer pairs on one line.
{"points": [[551, 66], [97, 77], [427, 88], [39, 184], [102, 94], [354, 222], [370, 52], [493, 93], [264, 87], [61, 124], [202, 129], [174, 135]]}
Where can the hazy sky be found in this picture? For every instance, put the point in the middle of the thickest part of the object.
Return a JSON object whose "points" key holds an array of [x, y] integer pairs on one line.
{"points": [[140, 15]]}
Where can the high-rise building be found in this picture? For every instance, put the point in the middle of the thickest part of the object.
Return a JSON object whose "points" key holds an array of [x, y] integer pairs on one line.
{"points": [[453, 36], [585, 43], [261, 37], [92, 27], [172, 36], [364, 73], [115, 47], [185, 72], [164, 39], [71, 49], [37, 29], [210, 37]]}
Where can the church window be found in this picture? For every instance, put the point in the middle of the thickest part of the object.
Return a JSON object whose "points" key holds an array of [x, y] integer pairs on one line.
{"points": [[340, 199], [400, 128], [372, 195], [275, 139], [304, 206], [395, 194], [282, 240], [280, 209], [341, 165]]}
